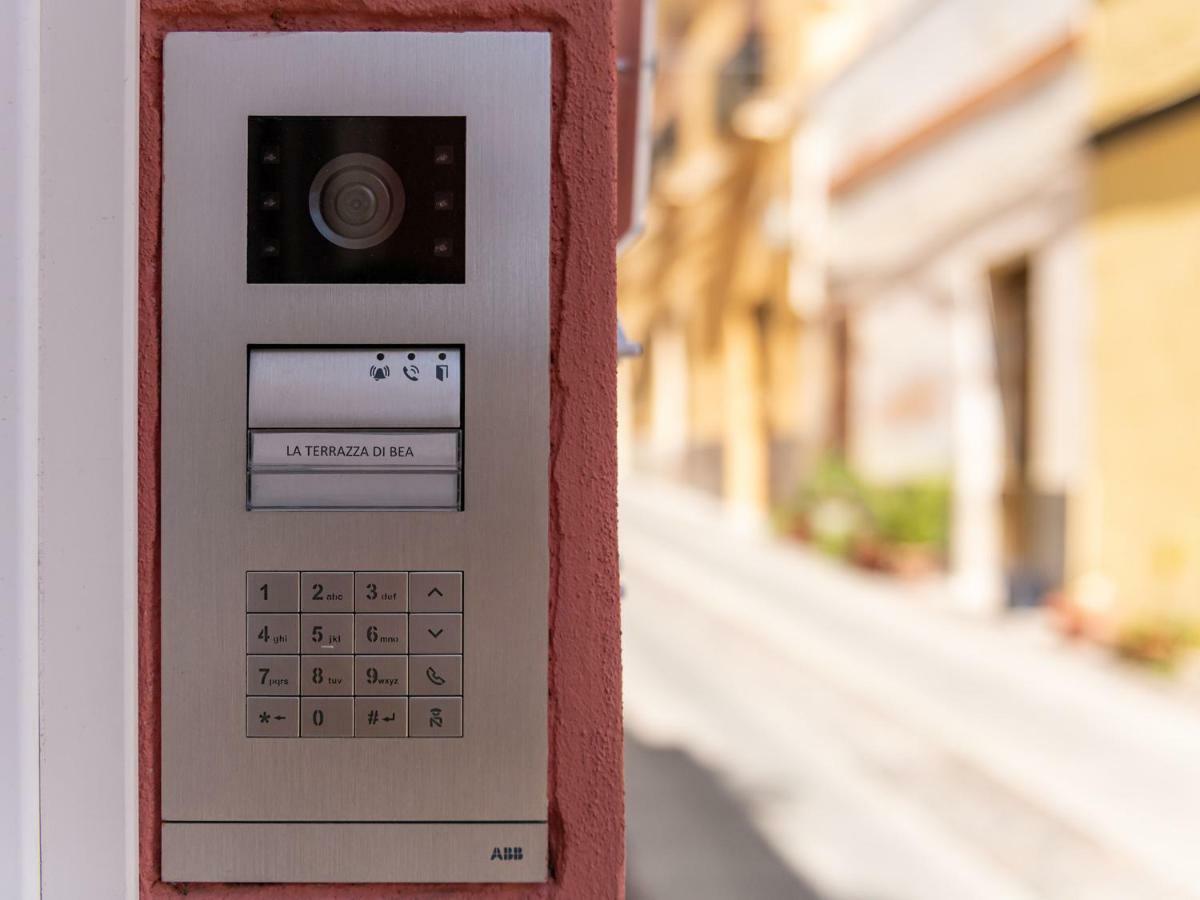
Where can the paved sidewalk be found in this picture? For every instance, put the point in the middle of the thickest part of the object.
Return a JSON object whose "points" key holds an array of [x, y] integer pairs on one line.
{"points": [[881, 746]]}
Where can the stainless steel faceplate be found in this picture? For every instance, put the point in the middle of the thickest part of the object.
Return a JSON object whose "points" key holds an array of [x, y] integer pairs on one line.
{"points": [[350, 809]]}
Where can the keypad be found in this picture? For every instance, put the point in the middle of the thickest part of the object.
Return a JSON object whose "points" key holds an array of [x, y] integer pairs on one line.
{"points": [[337, 654]]}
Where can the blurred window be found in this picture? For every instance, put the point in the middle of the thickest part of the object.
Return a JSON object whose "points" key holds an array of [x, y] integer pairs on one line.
{"points": [[739, 78]]}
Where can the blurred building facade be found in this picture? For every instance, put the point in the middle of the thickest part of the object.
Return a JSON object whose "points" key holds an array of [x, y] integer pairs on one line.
{"points": [[704, 289], [1137, 551], [945, 317], [864, 241]]}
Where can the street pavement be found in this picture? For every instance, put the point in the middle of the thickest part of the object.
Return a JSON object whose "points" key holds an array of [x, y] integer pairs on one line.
{"points": [[800, 730]]}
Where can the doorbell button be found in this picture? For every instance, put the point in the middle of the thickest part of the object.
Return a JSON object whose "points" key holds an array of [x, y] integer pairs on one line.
{"points": [[327, 591], [355, 387], [272, 591], [436, 592], [272, 633], [353, 450], [440, 633], [381, 592]]}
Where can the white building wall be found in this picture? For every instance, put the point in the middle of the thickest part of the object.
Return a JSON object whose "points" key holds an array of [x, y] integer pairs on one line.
{"points": [[910, 249], [928, 56], [902, 372]]}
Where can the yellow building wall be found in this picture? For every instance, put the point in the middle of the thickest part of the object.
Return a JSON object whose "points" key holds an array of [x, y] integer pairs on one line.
{"points": [[1143, 52], [711, 266], [1136, 527], [1141, 520]]}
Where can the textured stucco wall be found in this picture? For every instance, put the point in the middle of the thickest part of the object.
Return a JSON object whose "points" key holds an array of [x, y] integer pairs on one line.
{"points": [[585, 777]]}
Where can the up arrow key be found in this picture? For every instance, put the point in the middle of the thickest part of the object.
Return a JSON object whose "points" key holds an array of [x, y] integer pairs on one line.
{"points": [[434, 591]]}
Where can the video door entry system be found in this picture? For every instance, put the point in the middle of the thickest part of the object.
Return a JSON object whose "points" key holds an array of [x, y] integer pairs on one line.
{"points": [[355, 446]]}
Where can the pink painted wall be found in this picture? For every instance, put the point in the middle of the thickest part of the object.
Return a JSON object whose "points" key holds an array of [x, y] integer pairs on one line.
{"points": [[585, 776]]}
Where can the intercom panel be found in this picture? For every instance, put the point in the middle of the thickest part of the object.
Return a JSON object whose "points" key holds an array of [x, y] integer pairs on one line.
{"points": [[355, 451]]}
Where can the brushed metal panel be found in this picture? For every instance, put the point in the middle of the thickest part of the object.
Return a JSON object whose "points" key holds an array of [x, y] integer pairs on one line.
{"points": [[497, 771], [262, 852], [355, 387]]}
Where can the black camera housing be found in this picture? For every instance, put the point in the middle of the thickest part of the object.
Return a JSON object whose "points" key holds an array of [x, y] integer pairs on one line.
{"points": [[284, 239]]}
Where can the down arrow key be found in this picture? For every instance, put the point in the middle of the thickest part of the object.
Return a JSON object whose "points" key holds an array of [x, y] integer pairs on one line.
{"points": [[439, 633]]}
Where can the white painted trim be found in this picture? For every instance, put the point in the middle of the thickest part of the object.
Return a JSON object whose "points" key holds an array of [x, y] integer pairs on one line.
{"points": [[18, 447], [88, 432]]}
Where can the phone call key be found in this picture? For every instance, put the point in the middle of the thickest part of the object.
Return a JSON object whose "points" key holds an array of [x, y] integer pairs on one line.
{"points": [[437, 675]]}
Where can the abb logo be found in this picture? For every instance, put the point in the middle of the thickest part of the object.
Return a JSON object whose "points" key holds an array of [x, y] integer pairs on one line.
{"points": [[507, 854]]}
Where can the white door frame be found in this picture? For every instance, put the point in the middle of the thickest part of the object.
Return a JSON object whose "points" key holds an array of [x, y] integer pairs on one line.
{"points": [[85, 369], [18, 446]]}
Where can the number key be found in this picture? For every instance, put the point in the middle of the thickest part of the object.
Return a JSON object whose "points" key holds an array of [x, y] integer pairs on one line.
{"points": [[326, 717], [327, 591], [381, 592], [272, 633], [380, 675], [272, 592], [322, 633], [326, 675], [273, 675], [380, 633]]}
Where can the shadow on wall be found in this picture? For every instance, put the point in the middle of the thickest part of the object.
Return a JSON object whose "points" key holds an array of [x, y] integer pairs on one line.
{"points": [[689, 839]]}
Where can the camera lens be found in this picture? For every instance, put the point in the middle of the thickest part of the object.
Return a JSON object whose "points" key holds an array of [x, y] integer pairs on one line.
{"points": [[356, 201]]}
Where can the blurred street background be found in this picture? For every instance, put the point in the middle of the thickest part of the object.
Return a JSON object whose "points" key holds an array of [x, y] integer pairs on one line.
{"points": [[910, 501]]}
